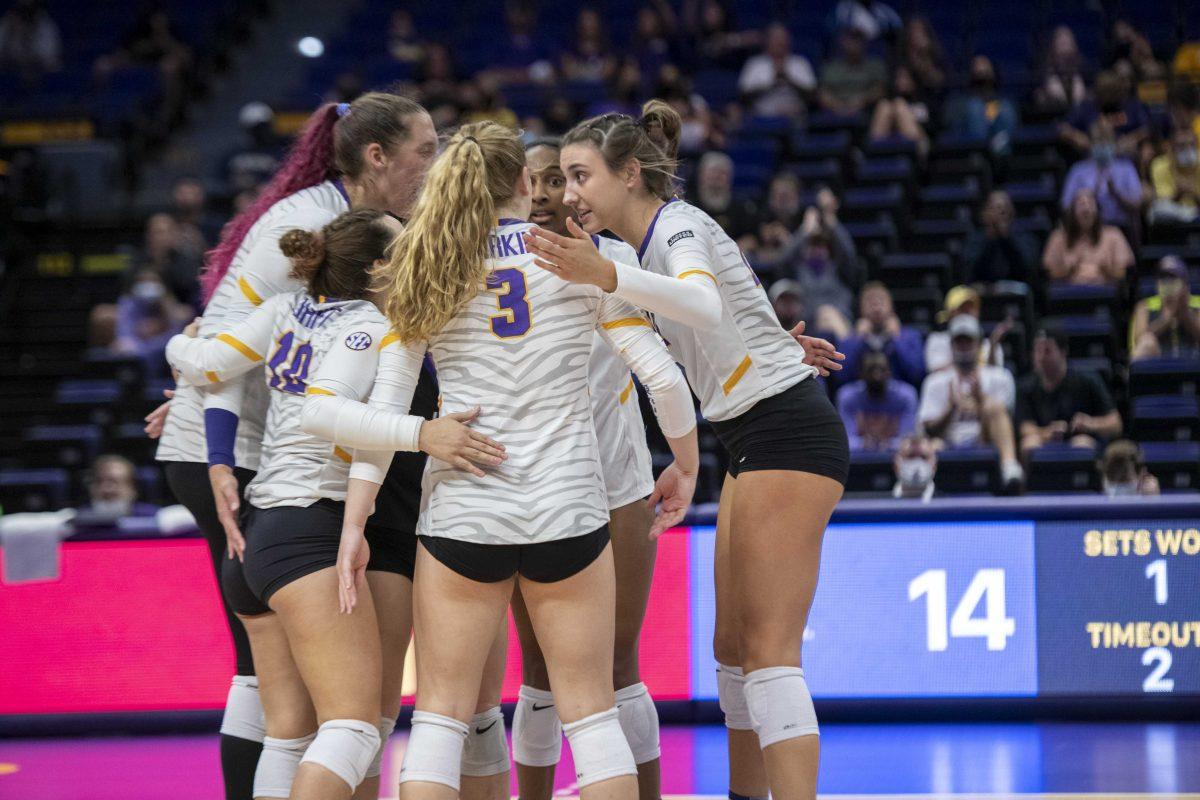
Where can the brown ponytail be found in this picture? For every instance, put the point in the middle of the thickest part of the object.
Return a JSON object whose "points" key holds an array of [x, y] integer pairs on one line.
{"points": [[652, 141], [336, 261], [663, 125]]}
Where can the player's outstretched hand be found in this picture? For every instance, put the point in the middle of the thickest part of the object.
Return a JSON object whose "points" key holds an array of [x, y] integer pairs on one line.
{"points": [[672, 495], [157, 418], [227, 497], [448, 439], [353, 555], [573, 258], [818, 352]]}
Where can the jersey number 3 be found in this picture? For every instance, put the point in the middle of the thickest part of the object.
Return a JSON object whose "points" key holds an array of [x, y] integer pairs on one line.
{"points": [[289, 366], [515, 317]]}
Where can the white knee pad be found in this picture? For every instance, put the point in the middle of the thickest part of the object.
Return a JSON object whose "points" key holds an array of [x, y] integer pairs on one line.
{"points": [[278, 764], [435, 750], [486, 750], [599, 748], [345, 747], [243, 710], [537, 731], [639, 722], [780, 704], [386, 726], [732, 696]]}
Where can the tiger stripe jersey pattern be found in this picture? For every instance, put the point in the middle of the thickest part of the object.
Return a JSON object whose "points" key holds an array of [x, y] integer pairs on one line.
{"points": [[620, 430], [748, 356], [258, 271], [520, 350], [287, 338]]}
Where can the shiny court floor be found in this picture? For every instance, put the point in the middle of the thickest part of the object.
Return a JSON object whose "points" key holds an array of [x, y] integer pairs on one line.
{"points": [[1025, 760]]}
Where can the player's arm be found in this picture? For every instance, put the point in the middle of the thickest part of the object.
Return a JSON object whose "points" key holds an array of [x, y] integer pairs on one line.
{"points": [[688, 294], [630, 334], [229, 354]]}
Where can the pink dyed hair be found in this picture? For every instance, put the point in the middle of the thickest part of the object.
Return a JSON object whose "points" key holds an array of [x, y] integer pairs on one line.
{"points": [[309, 162]]}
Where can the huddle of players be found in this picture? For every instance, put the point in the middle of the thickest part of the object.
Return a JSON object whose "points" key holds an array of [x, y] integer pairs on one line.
{"points": [[537, 443]]}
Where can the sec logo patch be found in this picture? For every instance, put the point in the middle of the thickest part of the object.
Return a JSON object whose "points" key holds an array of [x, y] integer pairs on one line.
{"points": [[359, 340]]}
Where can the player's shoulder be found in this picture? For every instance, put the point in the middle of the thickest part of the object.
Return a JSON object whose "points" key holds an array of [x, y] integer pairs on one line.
{"points": [[616, 250], [680, 222]]}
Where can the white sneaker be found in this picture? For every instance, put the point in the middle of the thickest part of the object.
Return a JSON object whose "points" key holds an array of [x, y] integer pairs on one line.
{"points": [[1012, 477]]}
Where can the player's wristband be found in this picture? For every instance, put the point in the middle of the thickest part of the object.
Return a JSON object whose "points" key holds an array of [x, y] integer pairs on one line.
{"points": [[220, 432]]}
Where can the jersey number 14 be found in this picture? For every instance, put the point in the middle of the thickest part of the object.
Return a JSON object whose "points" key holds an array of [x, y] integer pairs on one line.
{"points": [[289, 364]]}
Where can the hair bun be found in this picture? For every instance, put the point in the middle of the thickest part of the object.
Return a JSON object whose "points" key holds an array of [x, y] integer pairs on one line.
{"points": [[663, 125], [303, 247]]}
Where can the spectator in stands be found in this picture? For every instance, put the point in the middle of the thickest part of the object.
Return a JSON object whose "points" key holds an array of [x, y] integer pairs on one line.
{"points": [[1123, 471], [902, 114], [154, 41], [1062, 75], [112, 490], [877, 410], [480, 100], [714, 196], [994, 252], [714, 35], [404, 44], [30, 44], [252, 163], [1167, 325], [654, 38], [101, 332], [1058, 404], [782, 214], [698, 126], [1112, 178], [970, 405], [1126, 121], [521, 52], [438, 79], [1183, 107], [189, 206], [787, 298], [921, 54], [589, 57], [853, 81], [174, 252], [982, 112], [1083, 250], [1175, 179], [875, 20], [824, 290], [878, 330], [147, 317], [938, 353], [777, 82], [915, 465]]}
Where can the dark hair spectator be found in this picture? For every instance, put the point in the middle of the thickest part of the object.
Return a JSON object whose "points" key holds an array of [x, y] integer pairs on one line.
{"points": [[112, 489], [654, 38], [713, 193], [921, 53], [714, 35], [971, 405], [147, 317], [1175, 180], [877, 410], [1063, 85], [777, 82], [852, 81], [1057, 404], [30, 43], [174, 251], [1167, 324], [189, 206], [780, 215], [589, 57], [982, 112], [521, 52], [1123, 471], [1125, 119], [994, 251], [403, 43], [902, 114], [154, 41], [879, 330], [1082, 249]]}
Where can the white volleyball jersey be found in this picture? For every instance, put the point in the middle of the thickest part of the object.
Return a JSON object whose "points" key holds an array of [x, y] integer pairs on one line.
{"points": [[284, 343], [258, 271], [620, 430], [749, 356], [520, 351]]}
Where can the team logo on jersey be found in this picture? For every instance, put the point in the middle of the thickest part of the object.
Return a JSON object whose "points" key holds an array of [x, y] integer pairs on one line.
{"points": [[680, 235], [359, 340]]}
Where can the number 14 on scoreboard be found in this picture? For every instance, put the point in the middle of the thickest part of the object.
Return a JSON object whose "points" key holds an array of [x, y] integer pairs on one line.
{"points": [[987, 586]]}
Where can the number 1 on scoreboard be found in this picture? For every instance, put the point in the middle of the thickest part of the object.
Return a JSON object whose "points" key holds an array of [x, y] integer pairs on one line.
{"points": [[1157, 571]]}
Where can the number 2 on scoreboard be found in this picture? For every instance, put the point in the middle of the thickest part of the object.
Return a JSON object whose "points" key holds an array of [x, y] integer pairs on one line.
{"points": [[986, 586]]}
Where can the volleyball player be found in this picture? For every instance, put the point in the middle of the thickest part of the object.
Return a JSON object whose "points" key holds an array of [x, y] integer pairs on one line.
{"points": [[628, 481], [517, 342], [303, 647], [787, 446], [369, 153]]}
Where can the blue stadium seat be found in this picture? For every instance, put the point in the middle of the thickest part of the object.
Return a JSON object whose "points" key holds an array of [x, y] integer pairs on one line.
{"points": [[1034, 139], [752, 152], [828, 122], [1175, 464], [1097, 301], [896, 169], [917, 307], [1037, 226], [71, 446], [815, 173], [1101, 367], [891, 146], [765, 127], [938, 236], [916, 270], [1166, 418], [818, 146], [871, 471], [1059, 468], [34, 489], [968, 470], [1087, 337], [1164, 376], [718, 86], [949, 201], [871, 203], [93, 392], [1032, 197], [872, 236]]}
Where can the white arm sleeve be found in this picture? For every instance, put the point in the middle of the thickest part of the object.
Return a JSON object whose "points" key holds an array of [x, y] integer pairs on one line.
{"points": [[632, 336], [692, 300], [227, 355]]}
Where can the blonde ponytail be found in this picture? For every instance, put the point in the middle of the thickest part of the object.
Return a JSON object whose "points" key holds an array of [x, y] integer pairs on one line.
{"points": [[439, 263]]}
